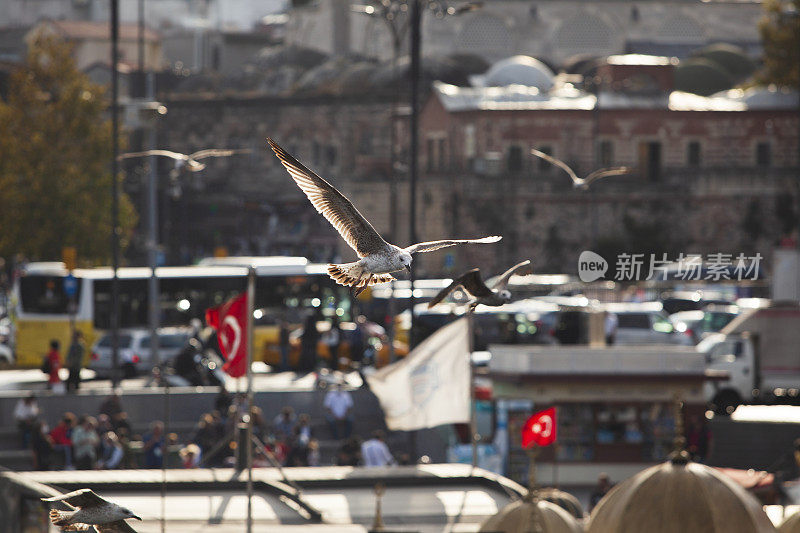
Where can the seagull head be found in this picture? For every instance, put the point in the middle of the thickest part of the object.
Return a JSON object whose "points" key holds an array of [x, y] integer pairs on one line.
{"points": [[405, 260], [505, 295], [129, 514]]}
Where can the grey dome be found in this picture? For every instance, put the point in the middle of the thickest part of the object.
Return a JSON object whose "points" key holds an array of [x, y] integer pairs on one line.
{"points": [[526, 516], [677, 497], [517, 70]]}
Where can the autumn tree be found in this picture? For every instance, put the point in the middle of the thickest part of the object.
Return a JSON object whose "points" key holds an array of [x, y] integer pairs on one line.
{"points": [[780, 35], [55, 153]]}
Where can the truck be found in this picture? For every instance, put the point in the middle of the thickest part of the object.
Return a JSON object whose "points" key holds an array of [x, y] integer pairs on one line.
{"points": [[760, 350]]}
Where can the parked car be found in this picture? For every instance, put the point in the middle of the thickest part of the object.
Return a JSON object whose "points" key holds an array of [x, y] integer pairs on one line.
{"points": [[645, 323], [699, 324], [135, 357]]}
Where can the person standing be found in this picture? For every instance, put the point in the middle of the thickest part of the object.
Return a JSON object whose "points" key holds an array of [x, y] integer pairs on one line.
{"points": [[26, 411], [283, 344], [54, 358], [375, 452], [308, 345], [611, 324], [62, 441], [338, 405], [154, 445], [75, 354], [42, 446], [601, 489], [84, 443]]}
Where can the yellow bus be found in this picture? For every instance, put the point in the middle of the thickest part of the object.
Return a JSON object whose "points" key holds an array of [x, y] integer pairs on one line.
{"points": [[287, 288]]}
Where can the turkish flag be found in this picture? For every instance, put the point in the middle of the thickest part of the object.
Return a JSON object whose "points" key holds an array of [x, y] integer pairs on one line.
{"points": [[229, 320], [540, 429]]}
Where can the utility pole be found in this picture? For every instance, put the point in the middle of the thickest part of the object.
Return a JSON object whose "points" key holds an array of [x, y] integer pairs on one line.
{"points": [[414, 148], [114, 194]]}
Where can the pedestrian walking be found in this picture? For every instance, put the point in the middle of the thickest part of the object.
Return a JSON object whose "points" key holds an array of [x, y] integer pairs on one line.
{"points": [[75, 354], [54, 365]]}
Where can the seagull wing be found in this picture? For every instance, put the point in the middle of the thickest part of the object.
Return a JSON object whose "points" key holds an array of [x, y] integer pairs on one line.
{"points": [[604, 172], [435, 245], [166, 153], [79, 498], [333, 205], [502, 281], [472, 283], [217, 152], [559, 163], [120, 526]]}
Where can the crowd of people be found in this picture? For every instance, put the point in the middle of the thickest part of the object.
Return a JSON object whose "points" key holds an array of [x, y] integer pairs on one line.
{"points": [[84, 442], [106, 440]]}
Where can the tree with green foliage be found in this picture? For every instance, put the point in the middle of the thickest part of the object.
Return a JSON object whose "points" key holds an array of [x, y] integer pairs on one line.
{"points": [[780, 35], [55, 153]]}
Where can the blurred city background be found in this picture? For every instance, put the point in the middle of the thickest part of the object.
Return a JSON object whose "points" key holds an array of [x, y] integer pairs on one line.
{"points": [[660, 314]]}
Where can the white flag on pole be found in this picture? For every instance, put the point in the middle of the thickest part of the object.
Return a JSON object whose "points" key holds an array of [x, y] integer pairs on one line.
{"points": [[430, 386]]}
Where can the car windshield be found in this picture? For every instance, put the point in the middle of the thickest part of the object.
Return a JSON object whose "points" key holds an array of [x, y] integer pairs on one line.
{"points": [[124, 341], [168, 340], [633, 320]]}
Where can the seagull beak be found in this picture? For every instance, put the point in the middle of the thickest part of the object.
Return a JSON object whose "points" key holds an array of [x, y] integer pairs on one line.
{"points": [[408, 267], [137, 518]]}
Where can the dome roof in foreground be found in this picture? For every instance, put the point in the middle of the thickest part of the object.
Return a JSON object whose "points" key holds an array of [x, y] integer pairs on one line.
{"points": [[678, 497]]}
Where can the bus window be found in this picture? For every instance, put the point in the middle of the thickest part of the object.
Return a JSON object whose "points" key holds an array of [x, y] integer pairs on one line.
{"points": [[44, 295]]}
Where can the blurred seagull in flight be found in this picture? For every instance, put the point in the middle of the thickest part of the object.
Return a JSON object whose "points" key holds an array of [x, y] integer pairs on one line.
{"points": [[474, 286], [581, 183], [90, 510], [378, 258], [191, 161]]}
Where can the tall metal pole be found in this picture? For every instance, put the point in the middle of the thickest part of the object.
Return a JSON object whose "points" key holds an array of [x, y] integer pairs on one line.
{"points": [[251, 298], [416, 44], [473, 416], [153, 298], [114, 194]]}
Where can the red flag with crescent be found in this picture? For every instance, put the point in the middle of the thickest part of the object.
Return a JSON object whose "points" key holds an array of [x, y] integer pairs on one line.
{"points": [[229, 320], [540, 429]]}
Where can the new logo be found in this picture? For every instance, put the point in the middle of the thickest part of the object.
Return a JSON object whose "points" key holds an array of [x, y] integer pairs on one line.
{"points": [[591, 266]]}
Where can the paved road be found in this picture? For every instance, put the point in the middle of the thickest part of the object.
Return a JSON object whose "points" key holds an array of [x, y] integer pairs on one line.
{"points": [[14, 381]]}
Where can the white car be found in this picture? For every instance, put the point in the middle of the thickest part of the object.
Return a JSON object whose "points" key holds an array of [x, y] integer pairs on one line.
{"points": [[645, 323], [135, 357]]}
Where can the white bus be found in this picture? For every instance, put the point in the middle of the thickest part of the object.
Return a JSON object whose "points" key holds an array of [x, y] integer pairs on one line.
{"points": [[286, 287]]}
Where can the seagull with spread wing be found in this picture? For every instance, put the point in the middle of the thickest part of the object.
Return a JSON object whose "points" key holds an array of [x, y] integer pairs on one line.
{"points": [[472, 283], [378, 258], [581, 183], [90, 510], [192, 161]]}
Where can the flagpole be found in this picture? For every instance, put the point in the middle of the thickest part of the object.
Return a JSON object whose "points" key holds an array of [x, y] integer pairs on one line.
{"points": [[473, 417], [251, 297]]}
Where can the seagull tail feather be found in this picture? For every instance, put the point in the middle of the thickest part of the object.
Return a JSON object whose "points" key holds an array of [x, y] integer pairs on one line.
{"points": [[346, 274], [62, 519]]}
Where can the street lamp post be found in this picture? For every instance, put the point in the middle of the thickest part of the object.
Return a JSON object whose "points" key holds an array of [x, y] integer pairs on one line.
{"points": [[114, 194], [415, 22]]}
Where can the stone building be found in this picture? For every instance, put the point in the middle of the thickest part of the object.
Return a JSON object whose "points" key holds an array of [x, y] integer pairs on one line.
{"points": [[706, 174], [550, 30]]}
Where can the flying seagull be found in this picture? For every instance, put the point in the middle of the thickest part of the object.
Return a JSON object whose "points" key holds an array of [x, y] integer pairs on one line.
{"points": [[192, 161], [378, 257], [581, 183], [472, 283], [90, 510]]}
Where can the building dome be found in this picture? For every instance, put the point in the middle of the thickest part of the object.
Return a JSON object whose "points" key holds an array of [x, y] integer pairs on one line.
{"points": [[532, 516], [678, 497], [517, 70], [565, 500], [791, 524]]}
